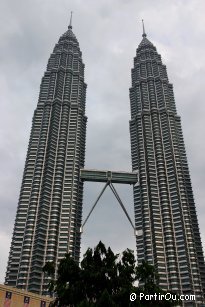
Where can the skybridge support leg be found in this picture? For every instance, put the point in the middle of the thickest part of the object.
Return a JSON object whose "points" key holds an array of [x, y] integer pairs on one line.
{"points": [[121, 204], [101, 193]]}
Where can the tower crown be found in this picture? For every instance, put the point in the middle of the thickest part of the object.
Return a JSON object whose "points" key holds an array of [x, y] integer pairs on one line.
{"points": [[145, 43], [69, 33]]}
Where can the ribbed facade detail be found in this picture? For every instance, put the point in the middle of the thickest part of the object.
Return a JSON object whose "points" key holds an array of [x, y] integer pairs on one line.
{"points": [[49, 211], [165, 214]]}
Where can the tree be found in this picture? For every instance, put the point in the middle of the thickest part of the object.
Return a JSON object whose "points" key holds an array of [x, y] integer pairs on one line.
{"points": [[103, 279]]}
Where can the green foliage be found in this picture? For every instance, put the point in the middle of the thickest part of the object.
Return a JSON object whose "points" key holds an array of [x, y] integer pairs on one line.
{"points": [[49, 268], [147, 275], [103, 279], [105, 300]]}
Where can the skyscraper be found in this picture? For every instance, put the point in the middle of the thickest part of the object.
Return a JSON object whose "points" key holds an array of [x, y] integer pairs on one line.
{"points": [[49, 211], [165, 214]]}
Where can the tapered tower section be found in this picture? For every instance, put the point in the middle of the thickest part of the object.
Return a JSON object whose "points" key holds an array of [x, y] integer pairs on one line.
{"points": [[165, 214], [49, 211]]}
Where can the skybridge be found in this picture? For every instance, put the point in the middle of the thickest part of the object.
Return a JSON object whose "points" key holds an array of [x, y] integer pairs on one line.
{"points": [[109, 177]]}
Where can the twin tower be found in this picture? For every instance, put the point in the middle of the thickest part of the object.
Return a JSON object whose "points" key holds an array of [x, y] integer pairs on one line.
{"points": [[49, 213]]}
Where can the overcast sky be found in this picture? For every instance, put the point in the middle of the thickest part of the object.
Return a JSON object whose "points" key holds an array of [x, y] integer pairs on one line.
{"points": [[109, 33]]}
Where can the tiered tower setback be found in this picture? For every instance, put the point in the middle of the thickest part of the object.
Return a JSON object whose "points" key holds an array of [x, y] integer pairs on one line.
{"points": [[165, 215], [49, 211]]}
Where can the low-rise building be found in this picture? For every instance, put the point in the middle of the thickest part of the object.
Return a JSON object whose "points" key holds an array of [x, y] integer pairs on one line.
{"points": [[13, 297]]}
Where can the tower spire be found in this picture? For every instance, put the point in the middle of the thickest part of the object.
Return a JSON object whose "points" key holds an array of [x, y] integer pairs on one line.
{"points": [[70, 24], [144, 34]]}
